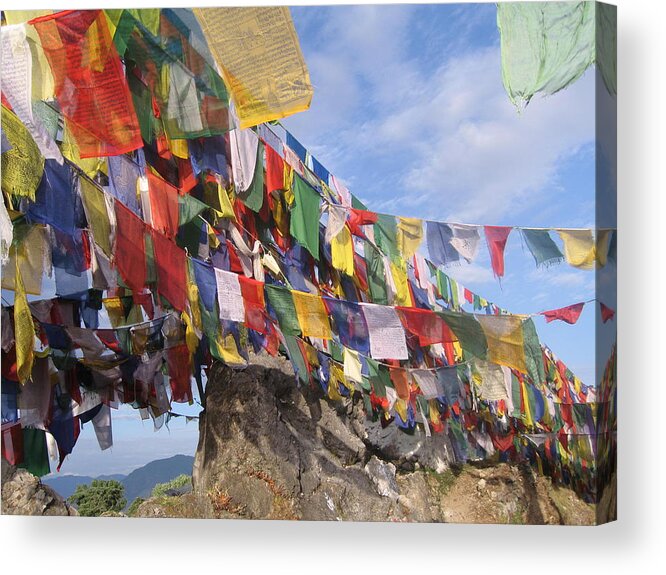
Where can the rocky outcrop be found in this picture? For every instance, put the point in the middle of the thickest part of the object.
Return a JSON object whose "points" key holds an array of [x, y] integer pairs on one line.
{"points": [[268, 450], [25, 494]]}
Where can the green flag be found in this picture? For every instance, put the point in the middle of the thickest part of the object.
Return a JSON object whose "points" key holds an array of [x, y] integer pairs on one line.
{"points": [[304, 222], [283, 304]]}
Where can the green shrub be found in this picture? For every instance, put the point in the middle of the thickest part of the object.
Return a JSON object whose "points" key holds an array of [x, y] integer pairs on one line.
{"points": [[133, 508], [98, 497], [161, 489]]}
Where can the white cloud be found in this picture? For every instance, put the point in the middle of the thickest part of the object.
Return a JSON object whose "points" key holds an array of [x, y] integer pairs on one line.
{"points": [[444, 143], [471, 274]]}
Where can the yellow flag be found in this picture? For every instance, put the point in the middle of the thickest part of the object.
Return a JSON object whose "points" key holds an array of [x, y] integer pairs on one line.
{"points": [[400, 407], [24, 329], [603, 236], [97, 214], [336, 376], [227, 350], [258, 53], [579, 249], [179, 148], [504, 334], [23, 164], [227, 210], [312, 315], [527, 415], [34, 257], [403, 296], [342, 252], [115, 310], [70, 149], [409, 236]]}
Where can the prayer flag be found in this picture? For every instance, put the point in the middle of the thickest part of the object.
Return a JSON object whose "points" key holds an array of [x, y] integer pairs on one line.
{"points": [[542, 247], [504, 334], [579, 248], [312, 315], [171, 265], [130, 256], [274, 82], [409, 235], [84, 61], [569, 314], [229, 296], [304, 222], [387, 336], [496, 237]]}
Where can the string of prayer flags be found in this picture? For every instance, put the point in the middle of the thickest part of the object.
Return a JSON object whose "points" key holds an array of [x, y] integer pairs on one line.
{"points": [[218, 249], [84, 60], [274, 83], [569, 314], [496, 237], [385, 331]]}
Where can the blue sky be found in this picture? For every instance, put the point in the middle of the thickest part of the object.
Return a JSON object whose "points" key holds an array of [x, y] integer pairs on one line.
{"points": [[410, 111]]}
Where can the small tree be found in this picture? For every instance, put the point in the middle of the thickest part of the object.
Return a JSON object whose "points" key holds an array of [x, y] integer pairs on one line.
{"points": [[98, 497]]}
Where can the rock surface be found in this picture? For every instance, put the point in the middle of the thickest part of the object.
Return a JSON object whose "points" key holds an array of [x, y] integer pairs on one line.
{"points": [[268, 450], [25, 494]]}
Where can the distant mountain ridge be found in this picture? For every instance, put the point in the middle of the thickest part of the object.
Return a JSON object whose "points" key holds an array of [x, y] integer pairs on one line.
{"points": [[138, 483]]}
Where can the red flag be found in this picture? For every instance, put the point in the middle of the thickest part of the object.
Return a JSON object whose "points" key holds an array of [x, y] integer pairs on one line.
{"points": [[496, 237], [358, 218], [569, 314], [171, 266], [163, 205], [130, 256], [400, 379], [606, 313], [274, 170], [426, 325], [90, 84], [12, 442], [180, 372], [253, 300]]}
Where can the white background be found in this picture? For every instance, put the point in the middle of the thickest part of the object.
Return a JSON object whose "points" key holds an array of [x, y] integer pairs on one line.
{"points": [[634, 543]]}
